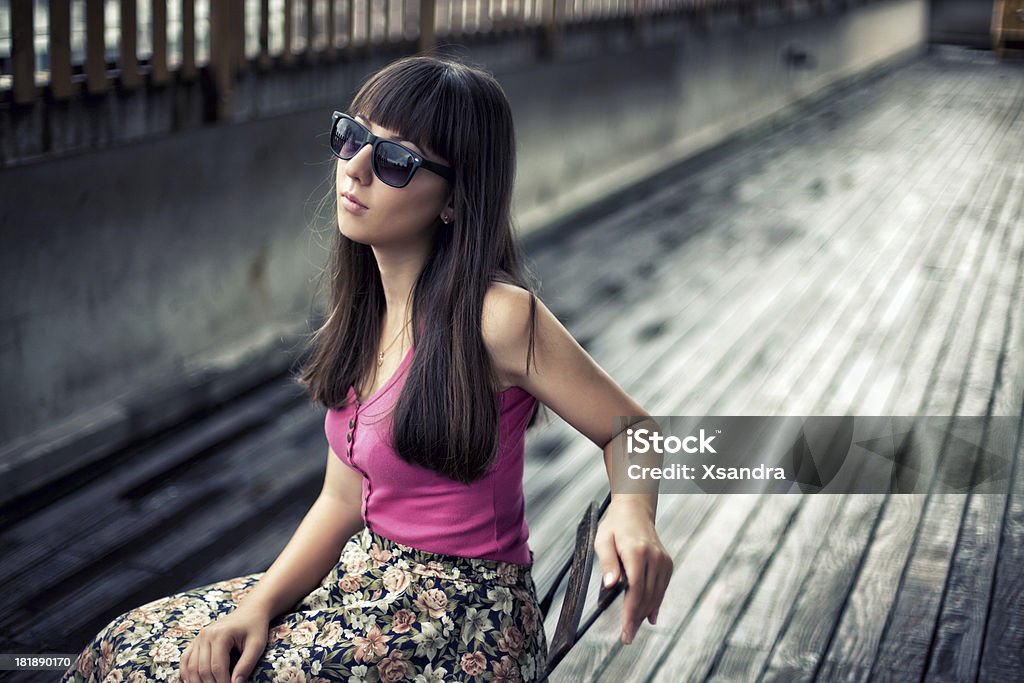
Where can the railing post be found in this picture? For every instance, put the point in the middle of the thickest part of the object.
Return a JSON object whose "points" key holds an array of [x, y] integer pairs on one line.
{"points": [[287, 57], [551, 40], [95, 50], [641, 21], [128, 59], [264, 59], [60, 49], [23, 53], [239, 61], [458, 17], [428, 37], [158, 60], [221, 58], [187, 70], [350, 40], [310, 31], [330, 51]]}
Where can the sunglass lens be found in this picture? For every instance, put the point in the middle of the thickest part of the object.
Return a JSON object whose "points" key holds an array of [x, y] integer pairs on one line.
{"points": [[394, 164], [346, 139]]}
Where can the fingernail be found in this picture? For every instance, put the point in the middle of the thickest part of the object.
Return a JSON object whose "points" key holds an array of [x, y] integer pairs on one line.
{"points": [[609, 579]]}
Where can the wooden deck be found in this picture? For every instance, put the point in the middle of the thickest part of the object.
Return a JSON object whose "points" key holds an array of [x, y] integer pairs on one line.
{"points": [[866, 258]]}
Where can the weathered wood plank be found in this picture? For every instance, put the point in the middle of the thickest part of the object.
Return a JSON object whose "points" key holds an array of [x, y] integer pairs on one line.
{"points": [[863, 633], [729, 593], [905, 645], [923, 151], [872, 323], [236, 481], [1004, 630], [748, 645], [959, 638], [216, 529], [738, 388], [884, 544], [125, 497], [805, 638], [856, 640]]}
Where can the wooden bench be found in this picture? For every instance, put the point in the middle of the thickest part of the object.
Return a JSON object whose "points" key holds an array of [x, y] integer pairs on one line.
{"points": [[578, 567]]}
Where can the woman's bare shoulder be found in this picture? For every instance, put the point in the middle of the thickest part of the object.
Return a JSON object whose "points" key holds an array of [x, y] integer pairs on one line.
{"points": [[505, 326]]}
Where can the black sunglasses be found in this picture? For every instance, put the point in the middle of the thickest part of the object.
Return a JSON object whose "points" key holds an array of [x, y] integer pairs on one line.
{"points": [[393, 163]]}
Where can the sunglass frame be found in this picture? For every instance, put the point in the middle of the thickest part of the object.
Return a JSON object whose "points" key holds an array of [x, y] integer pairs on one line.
{"points": [[445, 172]]}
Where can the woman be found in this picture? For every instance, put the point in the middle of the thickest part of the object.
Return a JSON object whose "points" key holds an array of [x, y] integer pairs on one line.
{"points": [[413, 562]]}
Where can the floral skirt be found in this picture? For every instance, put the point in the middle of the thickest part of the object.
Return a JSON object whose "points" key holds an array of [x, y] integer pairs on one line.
{"points": [[385, 612]]}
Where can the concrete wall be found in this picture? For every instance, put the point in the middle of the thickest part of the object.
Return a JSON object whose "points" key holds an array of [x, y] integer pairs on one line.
{"points": [[685, 92], [962, 22], [139, 279]]}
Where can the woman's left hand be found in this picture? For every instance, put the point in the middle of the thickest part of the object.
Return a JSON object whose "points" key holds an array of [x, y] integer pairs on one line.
{"points": [[626, 535]]}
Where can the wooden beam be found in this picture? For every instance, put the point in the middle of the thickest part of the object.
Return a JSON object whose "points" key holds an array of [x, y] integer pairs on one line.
{"points": [[158, 61], [240, 63], [554, 15], [128, 58], [188, 40], [350, 43], [330, 19], [428, 36], [23, 52], [60, 49], [95, 48], [288, 56], [221, 54], [310, 33], [264, 58]]}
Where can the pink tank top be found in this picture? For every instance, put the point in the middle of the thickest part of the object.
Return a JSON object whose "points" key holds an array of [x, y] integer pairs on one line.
{"points": [[423, 508]]}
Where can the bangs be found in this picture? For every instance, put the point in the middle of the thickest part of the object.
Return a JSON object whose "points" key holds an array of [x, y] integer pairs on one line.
{"points": [[409, 99]]}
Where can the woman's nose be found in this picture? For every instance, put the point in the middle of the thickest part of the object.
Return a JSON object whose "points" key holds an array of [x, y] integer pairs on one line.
{"points": [[360, 165]]}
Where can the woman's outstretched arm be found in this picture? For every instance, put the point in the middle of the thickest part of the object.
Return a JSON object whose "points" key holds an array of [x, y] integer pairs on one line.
{"points": [[567, 380]]}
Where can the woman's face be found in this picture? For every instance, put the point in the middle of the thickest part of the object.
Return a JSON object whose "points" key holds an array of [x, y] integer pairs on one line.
{"points": [[393, 214]]}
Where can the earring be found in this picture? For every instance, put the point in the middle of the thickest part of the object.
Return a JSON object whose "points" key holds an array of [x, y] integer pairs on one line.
{"points": [[445, 220]]}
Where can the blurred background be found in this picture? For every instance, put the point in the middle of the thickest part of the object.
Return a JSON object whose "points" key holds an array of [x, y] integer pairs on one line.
{"points": [[736, 206]]}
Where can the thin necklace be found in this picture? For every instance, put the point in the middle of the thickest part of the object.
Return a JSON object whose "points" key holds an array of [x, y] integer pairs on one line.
{"points": [[380, 356]]}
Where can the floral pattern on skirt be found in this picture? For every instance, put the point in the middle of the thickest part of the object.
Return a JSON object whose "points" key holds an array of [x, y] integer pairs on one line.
{"points": [[386, 612]]}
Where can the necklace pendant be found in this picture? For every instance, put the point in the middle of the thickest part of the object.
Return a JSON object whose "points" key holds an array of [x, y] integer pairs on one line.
{"points": [[380, 359]]}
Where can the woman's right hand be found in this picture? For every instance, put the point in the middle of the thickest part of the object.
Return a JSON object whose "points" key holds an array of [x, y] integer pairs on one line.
{"points": [[207, 659]]}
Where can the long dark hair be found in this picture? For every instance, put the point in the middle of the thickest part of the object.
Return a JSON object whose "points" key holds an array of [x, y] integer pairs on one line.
{"points": [[446, 417]]}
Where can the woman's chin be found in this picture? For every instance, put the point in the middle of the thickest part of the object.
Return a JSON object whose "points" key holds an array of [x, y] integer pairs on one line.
{"points": [[354, 234]]}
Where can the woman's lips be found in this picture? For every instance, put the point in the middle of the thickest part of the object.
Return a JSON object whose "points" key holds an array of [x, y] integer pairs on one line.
{"points": [[352, 206]]}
